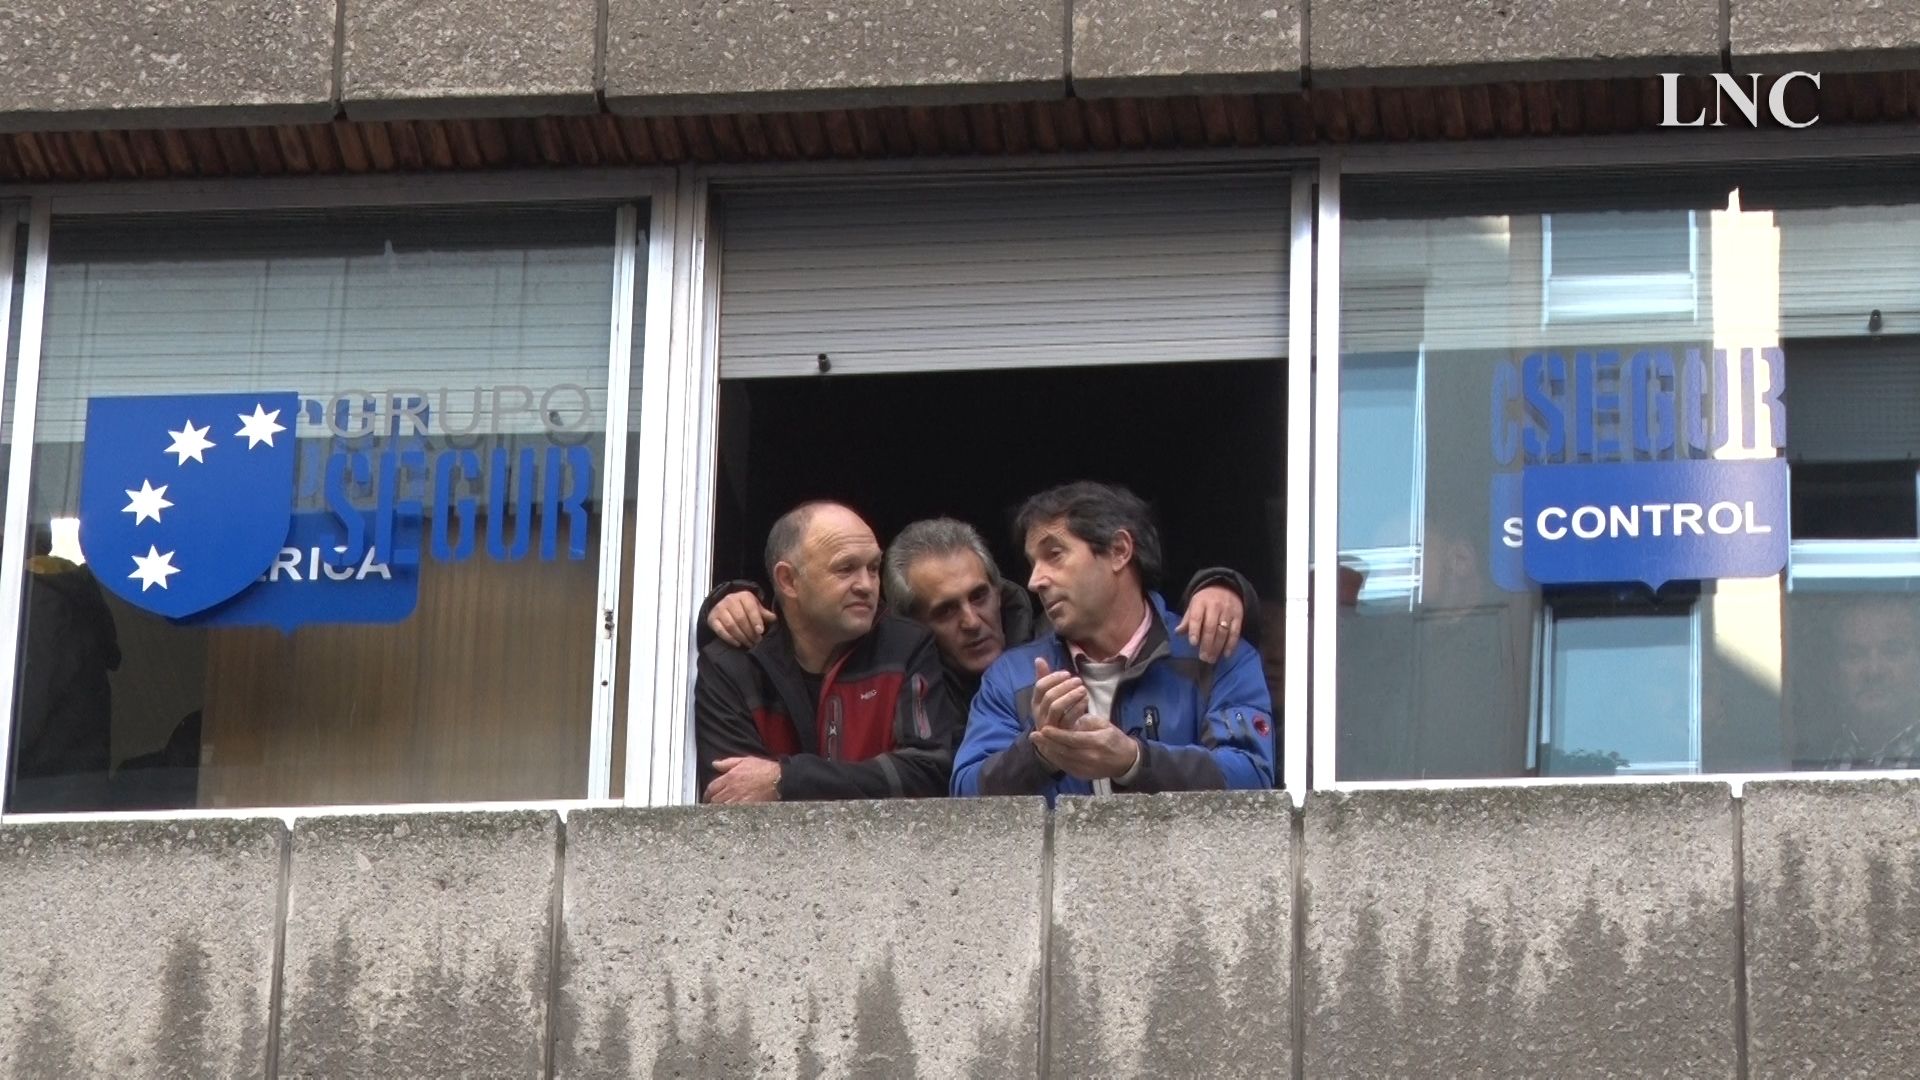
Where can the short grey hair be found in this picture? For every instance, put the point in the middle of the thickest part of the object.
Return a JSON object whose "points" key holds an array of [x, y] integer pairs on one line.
{"points": [[924, 539], [784, 539]]}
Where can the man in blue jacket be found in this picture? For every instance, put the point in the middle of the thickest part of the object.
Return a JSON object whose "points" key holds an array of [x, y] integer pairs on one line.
{"points": [[1110, 700]]}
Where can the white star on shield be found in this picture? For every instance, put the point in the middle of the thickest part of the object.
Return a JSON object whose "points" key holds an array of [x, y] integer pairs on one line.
{"points": [[260, 427], [153, 568]]}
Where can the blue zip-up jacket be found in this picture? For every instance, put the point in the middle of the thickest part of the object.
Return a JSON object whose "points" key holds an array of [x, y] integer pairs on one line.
{"points": [[1201, 726]]}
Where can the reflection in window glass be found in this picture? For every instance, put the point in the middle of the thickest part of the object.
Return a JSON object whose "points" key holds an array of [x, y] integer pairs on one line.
{"points": [[435, 382], [1856, 678], [1630, 323], [1381, 455], [1623, 697], [1619, 265]]}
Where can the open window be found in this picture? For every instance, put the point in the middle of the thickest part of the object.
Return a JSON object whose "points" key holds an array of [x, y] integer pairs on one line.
{"points": [[950, 347]]}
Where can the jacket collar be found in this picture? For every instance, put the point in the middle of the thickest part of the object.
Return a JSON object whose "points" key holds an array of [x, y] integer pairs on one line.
{"points": [[1158, 642], [774, 655]]}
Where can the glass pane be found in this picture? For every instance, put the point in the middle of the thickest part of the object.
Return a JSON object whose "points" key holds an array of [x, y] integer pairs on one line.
{"points": [[1379, 451], [1750, 326], [335, 475], [1623, 698], [1620, 242]]}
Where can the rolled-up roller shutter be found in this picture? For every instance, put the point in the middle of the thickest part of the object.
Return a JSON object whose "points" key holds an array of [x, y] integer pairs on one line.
{"points": [[946, 275]]}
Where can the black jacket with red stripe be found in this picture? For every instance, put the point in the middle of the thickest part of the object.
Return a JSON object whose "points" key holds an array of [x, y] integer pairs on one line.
{"points": [[882, 727]]}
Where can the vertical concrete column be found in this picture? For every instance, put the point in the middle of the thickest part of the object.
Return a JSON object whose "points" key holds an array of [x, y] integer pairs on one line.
{"points": [[1833, 927], [1172, 940], [1564, 931], [868, 939], [137, 948], [419, 945]]}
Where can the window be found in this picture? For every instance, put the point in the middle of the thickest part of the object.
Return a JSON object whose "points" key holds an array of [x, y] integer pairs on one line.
{"points": [[1854, 436], [420, 621], [1622, 694], [1584, 339], [1618, 265], [1382, 456]]}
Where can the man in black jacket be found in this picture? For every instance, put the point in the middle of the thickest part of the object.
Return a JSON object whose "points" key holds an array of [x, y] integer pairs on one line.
{"points": [[837, 700]]}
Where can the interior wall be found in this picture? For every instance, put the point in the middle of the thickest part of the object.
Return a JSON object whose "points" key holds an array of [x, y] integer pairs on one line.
{"points": [[1203, 442]]}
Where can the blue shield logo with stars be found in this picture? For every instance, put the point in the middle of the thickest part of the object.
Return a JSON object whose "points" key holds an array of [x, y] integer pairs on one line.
{"points": [[186, 499]]}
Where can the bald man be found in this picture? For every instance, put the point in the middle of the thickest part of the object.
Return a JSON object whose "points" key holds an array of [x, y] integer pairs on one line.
{"points": [[837, 701]]}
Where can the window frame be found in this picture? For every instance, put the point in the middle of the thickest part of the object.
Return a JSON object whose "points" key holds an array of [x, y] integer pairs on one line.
{"points": [[1541, 723], [1587, 299], [630, 193], [679, 383], [698, 310], [1519, 159]]}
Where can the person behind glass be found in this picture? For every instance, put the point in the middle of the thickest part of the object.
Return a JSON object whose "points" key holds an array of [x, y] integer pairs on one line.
{"points": [[939, 573], [1878, 643], [1110, 700], [837, 701]]}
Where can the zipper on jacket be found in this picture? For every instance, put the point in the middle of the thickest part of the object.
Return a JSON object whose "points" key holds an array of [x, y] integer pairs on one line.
{"points": [[833, 728]]}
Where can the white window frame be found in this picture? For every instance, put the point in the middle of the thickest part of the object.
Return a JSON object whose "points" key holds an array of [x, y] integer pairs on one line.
{"points": [[1852, 565], [1547, 622], [1518, 157], [668, 768], [1590, 298], [677, 421], [1396, 573], [627, 190]]}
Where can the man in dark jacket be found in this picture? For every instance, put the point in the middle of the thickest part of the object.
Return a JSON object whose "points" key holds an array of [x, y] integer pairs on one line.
{"points": [[836, 700]]}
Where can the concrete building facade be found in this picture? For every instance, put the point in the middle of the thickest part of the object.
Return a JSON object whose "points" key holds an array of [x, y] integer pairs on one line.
{"points": [[560, 304]]}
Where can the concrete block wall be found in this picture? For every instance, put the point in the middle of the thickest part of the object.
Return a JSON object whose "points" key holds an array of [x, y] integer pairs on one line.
{"points": [[1522, 932], [881, 940], [113, 63], [1657, 929]]}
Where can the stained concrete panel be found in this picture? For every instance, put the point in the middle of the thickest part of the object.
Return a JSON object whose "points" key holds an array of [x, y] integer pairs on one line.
{"points": [[1172, 945], [1835, 35], [137, 949], [1150, 47], [1372, 42], [1833, 927], [468, 57], [865, 939], [726, 55], [419, 945], [1565, 931], [154, 62]]}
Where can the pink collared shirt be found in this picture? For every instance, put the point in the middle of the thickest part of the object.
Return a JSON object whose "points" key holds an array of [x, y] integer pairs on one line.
{"points": [[1128, 652]]}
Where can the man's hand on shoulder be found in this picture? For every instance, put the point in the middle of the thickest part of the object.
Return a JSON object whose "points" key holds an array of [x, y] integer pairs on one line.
{"points": [[1213, 621], [745, 780], [740, 619]]}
